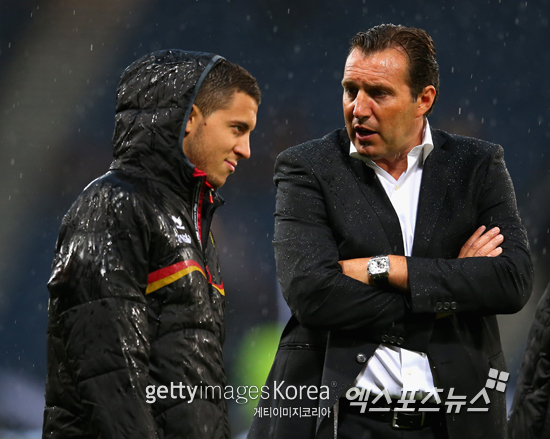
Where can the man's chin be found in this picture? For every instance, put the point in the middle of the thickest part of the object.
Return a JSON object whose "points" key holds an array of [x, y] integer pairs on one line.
{"points": [[366, 149], [216, 183]]}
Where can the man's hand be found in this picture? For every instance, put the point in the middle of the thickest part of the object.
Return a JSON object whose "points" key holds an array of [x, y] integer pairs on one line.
{"points": [[482, 244]]}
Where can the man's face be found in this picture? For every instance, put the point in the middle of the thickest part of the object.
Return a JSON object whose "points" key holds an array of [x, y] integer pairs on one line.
{"points": [[214, 144], [382, 119]]}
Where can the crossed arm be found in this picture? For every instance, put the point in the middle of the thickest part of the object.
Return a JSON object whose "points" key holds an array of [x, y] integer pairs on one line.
{"points": [[326, 292], [480, 244]]}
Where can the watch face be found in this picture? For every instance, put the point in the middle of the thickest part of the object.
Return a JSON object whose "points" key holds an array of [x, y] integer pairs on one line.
{"points": [[379, 266]]}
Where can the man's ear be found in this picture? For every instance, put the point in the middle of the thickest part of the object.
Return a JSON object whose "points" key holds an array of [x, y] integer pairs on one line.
{"points": [[195, 117], [425, 100]]}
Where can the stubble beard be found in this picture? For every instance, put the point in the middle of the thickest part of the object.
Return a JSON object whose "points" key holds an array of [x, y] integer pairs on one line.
{"points": [[198, 156]]}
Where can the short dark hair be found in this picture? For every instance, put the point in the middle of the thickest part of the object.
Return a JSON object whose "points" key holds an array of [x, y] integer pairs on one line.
{"points": [[416, 43], [221, 83]]}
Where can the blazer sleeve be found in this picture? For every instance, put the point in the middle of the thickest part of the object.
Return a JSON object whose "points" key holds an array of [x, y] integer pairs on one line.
{"points": [[319, 295], [498, 285], [97, 299]]}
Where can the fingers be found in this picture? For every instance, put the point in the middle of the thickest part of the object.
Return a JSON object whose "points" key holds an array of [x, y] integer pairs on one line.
{"points": [[483, 244], [497, 251], [468, 244], [479, 248], [490, 247]]}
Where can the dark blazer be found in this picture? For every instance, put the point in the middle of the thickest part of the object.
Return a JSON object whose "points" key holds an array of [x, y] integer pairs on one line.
{"points": [[332, 207]]}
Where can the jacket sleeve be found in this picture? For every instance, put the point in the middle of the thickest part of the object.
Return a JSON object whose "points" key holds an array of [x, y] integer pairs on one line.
{"points": [[497, 285], [97, 298], [317, 292]]}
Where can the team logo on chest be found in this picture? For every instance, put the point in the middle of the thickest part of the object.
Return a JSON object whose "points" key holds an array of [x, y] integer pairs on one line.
{"points": [[181, 232]]}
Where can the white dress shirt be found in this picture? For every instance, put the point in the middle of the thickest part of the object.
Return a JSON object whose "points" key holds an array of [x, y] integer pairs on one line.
{"points": [[393, 368]]}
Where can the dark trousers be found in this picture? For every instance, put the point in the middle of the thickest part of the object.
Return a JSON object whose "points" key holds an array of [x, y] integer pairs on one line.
{"points": [[353, 425]]}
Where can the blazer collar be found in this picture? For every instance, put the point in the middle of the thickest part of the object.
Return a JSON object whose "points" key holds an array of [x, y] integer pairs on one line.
{"points": [[432, 193], [376, 196]]}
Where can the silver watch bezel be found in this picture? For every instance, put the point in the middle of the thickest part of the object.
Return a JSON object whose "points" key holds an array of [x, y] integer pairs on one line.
{"points": [[378, 267]]}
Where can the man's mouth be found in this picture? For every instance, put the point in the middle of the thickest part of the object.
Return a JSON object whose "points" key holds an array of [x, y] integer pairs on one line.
{"points": [[363, 133], [231, 166]]}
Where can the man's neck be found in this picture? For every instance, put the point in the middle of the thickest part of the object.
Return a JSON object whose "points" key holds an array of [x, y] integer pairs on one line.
{"points": [[397, 165], [394, 167]]}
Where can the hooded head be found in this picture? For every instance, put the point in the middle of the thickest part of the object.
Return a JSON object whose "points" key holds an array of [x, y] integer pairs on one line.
{"points": [[156, 95]]}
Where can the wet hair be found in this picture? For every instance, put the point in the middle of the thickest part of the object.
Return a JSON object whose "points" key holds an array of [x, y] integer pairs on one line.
{"points": [[221, 83], [416, 43]]}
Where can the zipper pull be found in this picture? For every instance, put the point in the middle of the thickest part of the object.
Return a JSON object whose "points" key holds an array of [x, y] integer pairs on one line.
{"points": [[211, 199]]}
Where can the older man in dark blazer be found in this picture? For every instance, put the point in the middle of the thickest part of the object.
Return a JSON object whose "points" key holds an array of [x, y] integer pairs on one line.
{"points": [[380, 231]]}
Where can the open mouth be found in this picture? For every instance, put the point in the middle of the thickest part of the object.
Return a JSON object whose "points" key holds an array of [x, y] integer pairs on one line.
{"points": [[364, 132]]}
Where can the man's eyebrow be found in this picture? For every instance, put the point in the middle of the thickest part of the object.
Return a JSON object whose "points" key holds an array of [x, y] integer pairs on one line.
{"points": [[370, 86], [242, 124], [379, 86]]}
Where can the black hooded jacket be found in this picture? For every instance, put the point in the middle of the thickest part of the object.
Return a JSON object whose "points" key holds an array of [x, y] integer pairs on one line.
{"points": [[136, 296]]}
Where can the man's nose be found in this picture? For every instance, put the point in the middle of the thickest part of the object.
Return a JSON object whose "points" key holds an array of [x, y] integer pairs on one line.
{"points": [[362, 106], [242, 149]]}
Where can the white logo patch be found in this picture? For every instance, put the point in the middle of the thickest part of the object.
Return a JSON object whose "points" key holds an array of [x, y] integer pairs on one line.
{"points": [[182, 237]]}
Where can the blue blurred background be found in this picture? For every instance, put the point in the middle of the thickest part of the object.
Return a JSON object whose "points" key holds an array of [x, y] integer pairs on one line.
{"points": [[60, 62]]}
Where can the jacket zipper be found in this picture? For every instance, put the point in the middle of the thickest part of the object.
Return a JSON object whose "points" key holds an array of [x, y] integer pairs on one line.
{"points": [[198, 205]]}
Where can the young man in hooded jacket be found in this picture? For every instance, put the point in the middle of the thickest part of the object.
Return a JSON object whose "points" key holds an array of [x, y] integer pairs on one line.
{"points": [[136, 312]]}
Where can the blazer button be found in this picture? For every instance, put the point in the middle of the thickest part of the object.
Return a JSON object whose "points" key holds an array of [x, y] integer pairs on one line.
{"points": [[361, 358], [400, 341], [385, 338], [453, 305], [438, 306], [446, 306], [393, 339]]}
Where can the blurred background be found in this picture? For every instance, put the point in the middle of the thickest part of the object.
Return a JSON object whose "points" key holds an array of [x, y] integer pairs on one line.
{"points": [[60, 62]]}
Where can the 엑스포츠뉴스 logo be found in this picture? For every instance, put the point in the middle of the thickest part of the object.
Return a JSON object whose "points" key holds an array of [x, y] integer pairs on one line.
{"points": [[410, 402]]}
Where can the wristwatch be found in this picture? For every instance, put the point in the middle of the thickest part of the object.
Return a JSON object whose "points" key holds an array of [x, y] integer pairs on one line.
{"points": [[378, 269]]}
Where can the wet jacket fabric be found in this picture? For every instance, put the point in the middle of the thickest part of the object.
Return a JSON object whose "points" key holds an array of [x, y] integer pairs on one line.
{"points": [[530, 412], [136, 295]]}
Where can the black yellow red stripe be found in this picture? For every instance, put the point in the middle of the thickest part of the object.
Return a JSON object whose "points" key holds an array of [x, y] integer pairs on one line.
{"points": [[160, 278], [167, 275], [219, 288]]}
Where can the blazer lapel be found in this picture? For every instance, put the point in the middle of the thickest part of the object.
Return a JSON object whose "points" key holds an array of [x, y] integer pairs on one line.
{"points": [[378, 199], [432, 193]]}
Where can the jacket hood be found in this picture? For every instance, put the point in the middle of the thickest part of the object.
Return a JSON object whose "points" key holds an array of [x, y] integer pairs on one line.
{"points": [[154, 98]]}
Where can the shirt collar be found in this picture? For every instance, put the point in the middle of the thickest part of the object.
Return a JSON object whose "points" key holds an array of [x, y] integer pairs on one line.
{"points": [[427, 146]]}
